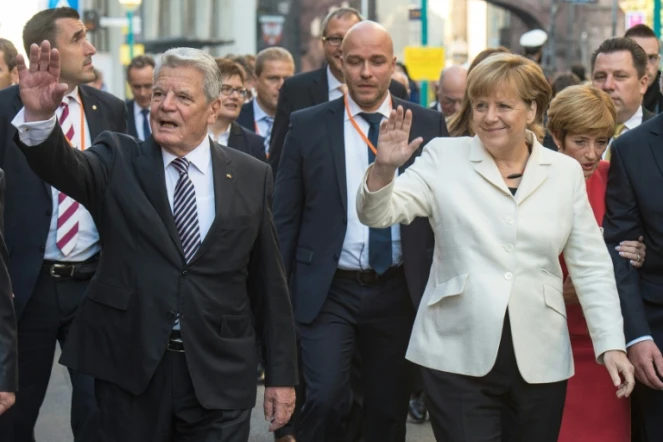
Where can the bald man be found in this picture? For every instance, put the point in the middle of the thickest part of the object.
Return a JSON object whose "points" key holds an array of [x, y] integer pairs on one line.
{"points": [[352, 287], [450, 90]]}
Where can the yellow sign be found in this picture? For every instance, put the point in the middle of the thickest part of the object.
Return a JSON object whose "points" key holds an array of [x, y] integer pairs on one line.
{"points": [[139, 49], [424, 63]]}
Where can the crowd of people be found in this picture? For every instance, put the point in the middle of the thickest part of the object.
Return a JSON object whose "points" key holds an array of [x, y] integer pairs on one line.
{"points": [[493, 263]]}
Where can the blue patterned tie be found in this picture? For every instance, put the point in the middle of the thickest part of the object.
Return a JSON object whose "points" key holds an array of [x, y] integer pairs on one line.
{"points": [[268, 133], [146, 124], [185, 209], [379, 240]]}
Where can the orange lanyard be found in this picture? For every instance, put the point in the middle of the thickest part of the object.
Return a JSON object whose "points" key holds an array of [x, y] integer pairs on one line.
{"points": [[356, 126], [82, 112]]}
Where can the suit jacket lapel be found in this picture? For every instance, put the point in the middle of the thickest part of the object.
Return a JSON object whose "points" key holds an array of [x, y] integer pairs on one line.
{"points": [[484, 165], [236, 138], [536, 172], [224, 194], [91, 108], [320, 87], [656, 146], [152, 176], [335, 136]]}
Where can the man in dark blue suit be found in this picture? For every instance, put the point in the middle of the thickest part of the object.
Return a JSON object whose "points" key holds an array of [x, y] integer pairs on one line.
{"points": [[273, 66], [352, 287], [140, 76], [226, 131], [53, 242], [634, 208]]}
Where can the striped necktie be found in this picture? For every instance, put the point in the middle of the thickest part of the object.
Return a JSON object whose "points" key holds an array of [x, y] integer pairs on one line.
{"points": [[68, 214], [185, 209], [268, 133]]}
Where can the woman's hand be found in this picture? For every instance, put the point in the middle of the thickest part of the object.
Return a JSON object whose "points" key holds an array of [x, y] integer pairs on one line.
{"points": [[621, 371], [633, 251], [569, 292], [393, 148]]}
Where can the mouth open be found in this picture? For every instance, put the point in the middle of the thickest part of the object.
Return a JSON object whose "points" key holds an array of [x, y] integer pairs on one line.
{"points": [[167, 124]]}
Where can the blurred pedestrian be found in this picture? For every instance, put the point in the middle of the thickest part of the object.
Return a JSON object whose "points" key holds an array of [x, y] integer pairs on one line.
{"points": [[8, 71], [140, 77], [647, 39]]}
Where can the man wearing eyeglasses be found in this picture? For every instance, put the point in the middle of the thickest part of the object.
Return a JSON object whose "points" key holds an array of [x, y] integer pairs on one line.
{"points": [[226, 131], [646, 38], [273, 66], [321, 85], [450, 90]]}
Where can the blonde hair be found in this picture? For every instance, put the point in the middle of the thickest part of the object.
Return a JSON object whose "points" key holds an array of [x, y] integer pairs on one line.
{"points": [[459, 123], [273, 53], [581, 110], [521, 74]]}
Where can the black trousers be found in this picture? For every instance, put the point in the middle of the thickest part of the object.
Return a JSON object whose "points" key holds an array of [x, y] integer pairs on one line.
{"points": [[167, 411], [498, 407], [376, 320], [46, 320]]}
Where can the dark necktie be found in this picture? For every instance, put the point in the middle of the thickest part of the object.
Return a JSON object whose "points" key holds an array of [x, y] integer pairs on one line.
{"points": [[185, 210], [379, 240], [146, 123]]}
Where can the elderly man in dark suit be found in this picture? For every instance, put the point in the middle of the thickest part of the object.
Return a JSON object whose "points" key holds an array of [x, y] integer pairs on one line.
{"points": [[8, 356], [318, 86], [190, 271], [52, 240], [634, 208], [351, 287]]}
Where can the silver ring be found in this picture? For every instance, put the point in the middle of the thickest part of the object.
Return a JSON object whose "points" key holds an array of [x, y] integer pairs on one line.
{"points": [[638, 258]]}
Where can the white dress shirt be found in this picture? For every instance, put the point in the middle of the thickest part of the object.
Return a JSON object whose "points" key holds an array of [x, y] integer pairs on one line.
{"points": [[631, 123], [87, 244], [138, 119], [202, 177], [354, 254], [222, 139], [335, 87]]}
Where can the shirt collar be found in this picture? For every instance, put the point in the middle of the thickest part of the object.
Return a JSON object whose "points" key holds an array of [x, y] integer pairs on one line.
{"points": [[138, 109], [384, 109], [332, 81], [199, 157], [258, 113], [227, 131], [635, 120], [73, 95]]}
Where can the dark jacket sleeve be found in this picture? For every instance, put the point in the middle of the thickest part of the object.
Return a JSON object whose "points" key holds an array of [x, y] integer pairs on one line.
{"points": [[82, 175], [280, 129], [622, 222], [8, 345], [271, 300], [289, 197]]}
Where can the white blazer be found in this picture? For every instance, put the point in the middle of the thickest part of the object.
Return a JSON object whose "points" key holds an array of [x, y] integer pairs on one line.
{"points": [[494, 250]]}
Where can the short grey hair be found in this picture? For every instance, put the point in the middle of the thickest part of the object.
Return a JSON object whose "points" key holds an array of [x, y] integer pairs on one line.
{"points": [[197, 59], [339, 13]]}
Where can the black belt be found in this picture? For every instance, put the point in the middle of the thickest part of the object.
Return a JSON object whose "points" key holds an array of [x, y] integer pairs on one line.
{"points": [[175, 342], [71, 270], [368, 277]]}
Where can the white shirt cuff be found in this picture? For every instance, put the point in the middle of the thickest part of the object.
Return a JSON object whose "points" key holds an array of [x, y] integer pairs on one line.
{"points": [[640, 339], [35, 132]]}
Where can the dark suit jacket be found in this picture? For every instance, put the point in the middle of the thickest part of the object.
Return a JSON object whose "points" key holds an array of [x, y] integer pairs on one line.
{"points": [[247, 141], [634, 207], [131, 119], [310, 205], [247, 118], [302, 91], [28, 201], [8, 346], [235, 283], [646, 114]]}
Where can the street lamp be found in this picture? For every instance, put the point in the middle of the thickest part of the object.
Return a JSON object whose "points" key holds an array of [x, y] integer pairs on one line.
{"points": [[130, 6]]}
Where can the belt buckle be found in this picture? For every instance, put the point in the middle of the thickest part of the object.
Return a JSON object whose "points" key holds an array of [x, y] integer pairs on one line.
{"points": [[173, 348], [56, 266]]}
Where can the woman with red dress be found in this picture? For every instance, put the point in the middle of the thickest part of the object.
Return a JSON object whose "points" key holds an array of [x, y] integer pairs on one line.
{"points": [[581, 120]]}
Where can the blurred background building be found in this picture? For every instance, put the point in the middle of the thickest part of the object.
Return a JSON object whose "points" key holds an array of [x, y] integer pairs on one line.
{"points": [[462, 27]]}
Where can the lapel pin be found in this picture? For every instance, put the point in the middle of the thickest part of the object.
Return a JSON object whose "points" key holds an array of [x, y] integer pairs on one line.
{"points": [[228, 175], [94, 107]]}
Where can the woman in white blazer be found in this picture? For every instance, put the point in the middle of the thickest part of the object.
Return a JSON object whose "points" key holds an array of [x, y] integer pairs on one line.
{"points": [[491, 329]]}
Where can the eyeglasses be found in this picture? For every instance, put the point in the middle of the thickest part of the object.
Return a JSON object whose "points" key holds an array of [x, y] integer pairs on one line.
{"points": [[334, 41], [228, 91]]}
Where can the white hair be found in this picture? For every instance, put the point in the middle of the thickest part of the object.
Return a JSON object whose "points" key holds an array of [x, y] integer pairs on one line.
{"points": [[197, 59]]}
